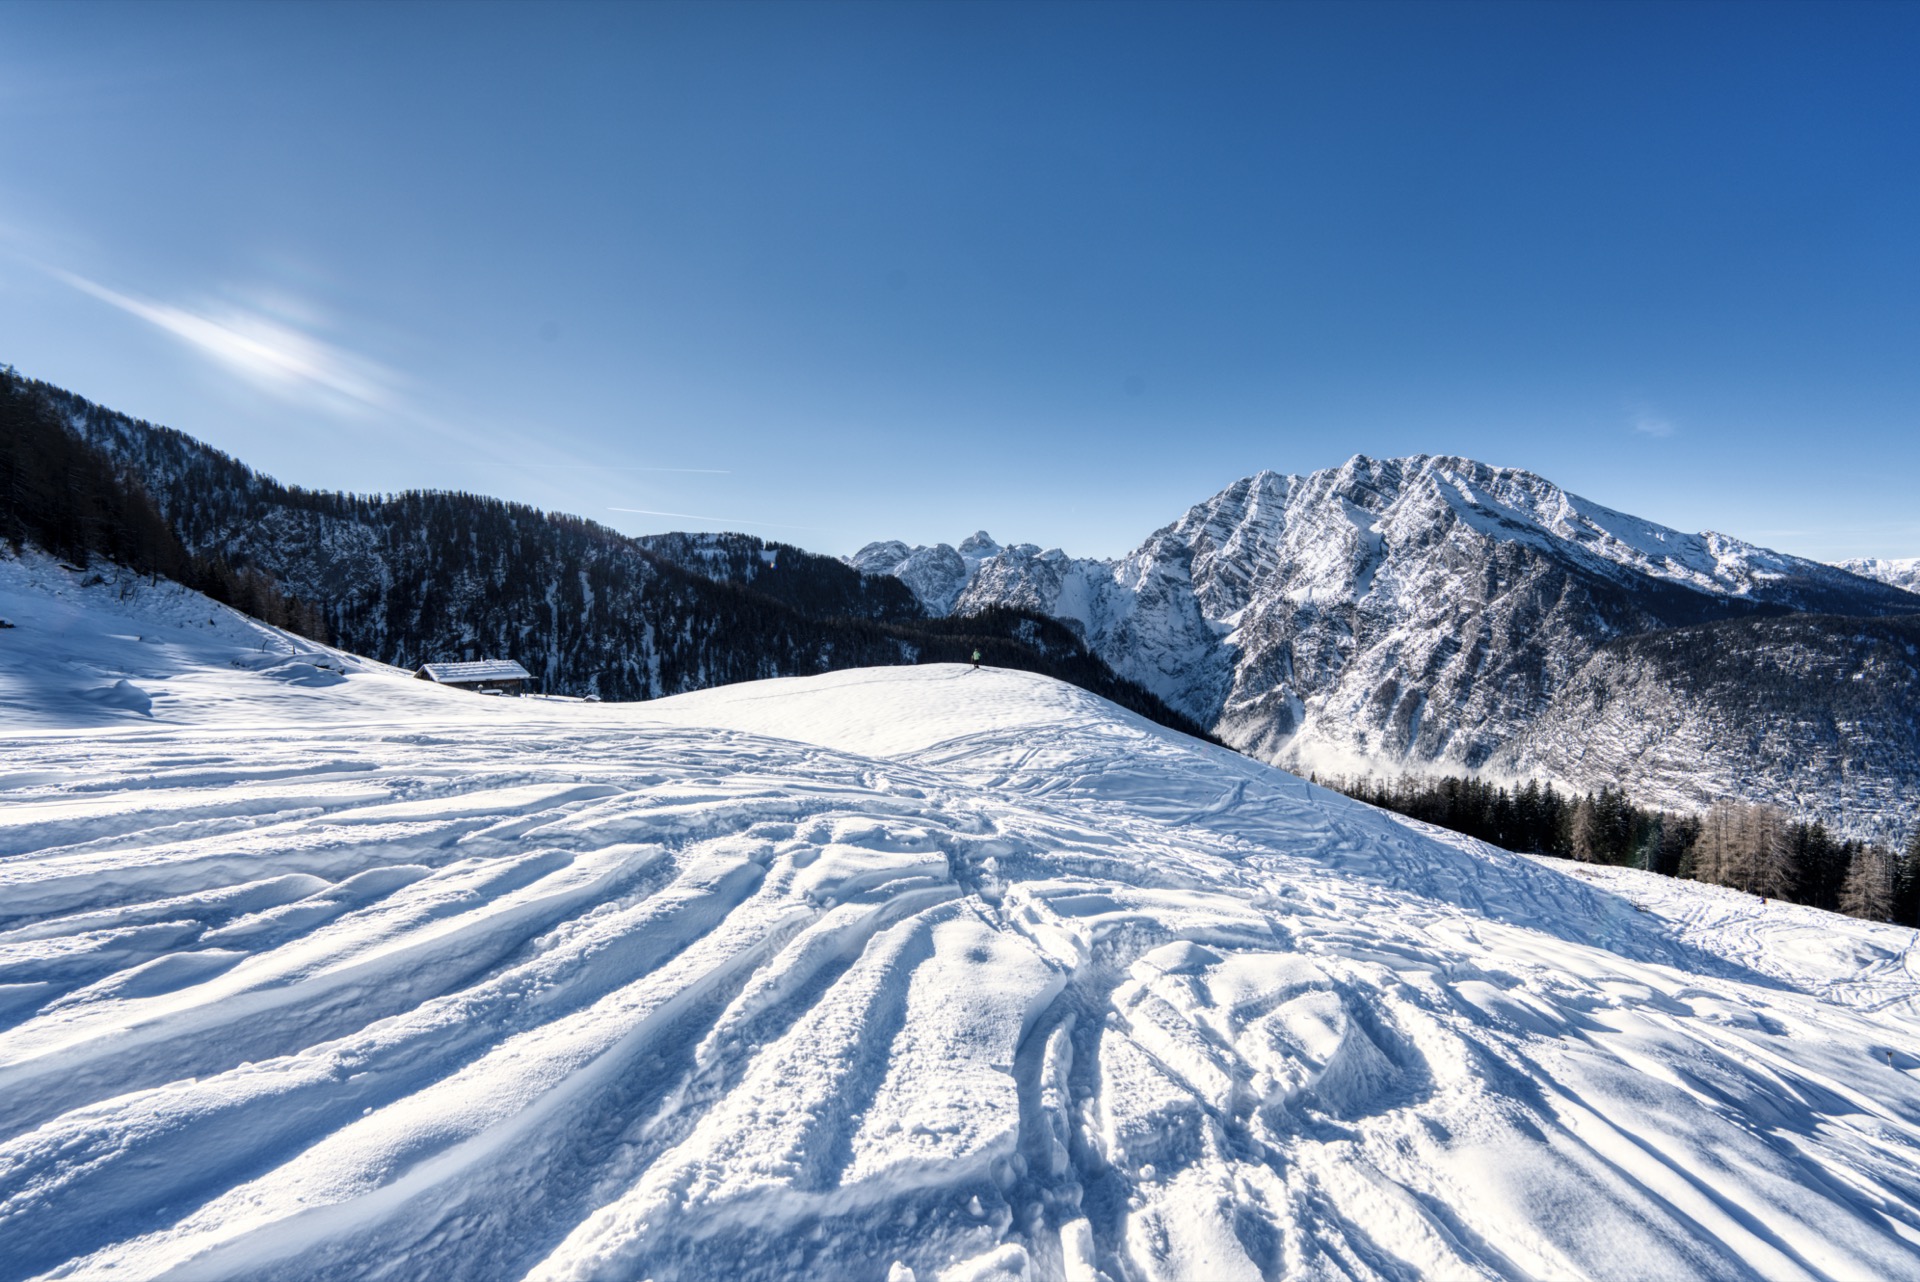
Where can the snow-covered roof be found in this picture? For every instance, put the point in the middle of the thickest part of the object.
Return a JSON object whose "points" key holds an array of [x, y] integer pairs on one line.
{"points": [[460, 674]]}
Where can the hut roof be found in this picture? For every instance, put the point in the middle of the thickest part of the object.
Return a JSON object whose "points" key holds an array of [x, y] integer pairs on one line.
{"points": [[462, 674]]}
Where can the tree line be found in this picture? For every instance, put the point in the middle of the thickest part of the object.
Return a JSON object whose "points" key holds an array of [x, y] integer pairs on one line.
{"points": [[64, 495], [1756, 848]]}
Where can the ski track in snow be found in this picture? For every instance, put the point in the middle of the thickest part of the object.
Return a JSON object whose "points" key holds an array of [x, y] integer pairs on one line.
{"points": [[960, 973]]}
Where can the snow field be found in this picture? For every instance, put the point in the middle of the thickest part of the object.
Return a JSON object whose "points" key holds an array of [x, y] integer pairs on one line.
{"points": [[914, 973]]}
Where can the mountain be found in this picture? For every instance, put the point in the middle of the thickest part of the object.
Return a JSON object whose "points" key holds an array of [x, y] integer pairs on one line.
{"points": [[415, 577], [313, 972], [1818, 714], [1903, 573], [1397, 614], [936, 575], [62, 494]]}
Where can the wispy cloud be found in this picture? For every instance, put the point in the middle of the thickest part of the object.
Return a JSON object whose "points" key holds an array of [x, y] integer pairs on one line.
{"points": [[273, 355], [1647, 423], [711, 520]]}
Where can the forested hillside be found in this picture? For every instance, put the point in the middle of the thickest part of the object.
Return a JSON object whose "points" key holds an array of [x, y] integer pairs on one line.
{"points": [[422, 576], [823, 586]]}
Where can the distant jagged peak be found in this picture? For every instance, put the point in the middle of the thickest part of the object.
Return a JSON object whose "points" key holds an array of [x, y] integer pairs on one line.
{"points": [[977, 547], [1899, 572], [1405, 611], [1323, 536], [882, 557], [935, 575], [1403, 499]]}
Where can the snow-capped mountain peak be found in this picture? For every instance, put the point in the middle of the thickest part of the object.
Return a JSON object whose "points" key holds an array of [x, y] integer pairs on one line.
{"points": [[977, 547], [936, 575], [1389, 613], [1901, 572]]}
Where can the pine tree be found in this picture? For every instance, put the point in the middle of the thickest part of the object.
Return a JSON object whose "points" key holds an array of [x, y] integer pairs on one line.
{"points": [[1906, 907], [1869, 891], [1556, 824], [1769, 854], [1526, 818], [1716, 858], [1820, 866], [1583, 831], [1673, 844], [1613, 822]]}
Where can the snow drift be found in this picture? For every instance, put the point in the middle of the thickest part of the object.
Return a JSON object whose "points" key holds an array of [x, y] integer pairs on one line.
{"points": [[308, 970]]}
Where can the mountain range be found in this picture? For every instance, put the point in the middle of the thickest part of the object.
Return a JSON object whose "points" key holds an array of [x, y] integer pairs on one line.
{"points": [[414, 577], [1434, 613], [1902, 572], [1430, 614]]}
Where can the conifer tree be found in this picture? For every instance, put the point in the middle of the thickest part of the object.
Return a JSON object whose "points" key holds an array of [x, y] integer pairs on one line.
{"points": [[1820, 866], [1715, 858], [1869, 891], [1673, 844], [1769, 863], [1583, 831], [1906, 908]]}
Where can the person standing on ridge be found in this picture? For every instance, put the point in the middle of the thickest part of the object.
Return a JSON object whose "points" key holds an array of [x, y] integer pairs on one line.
{"points": [[976, 661]]}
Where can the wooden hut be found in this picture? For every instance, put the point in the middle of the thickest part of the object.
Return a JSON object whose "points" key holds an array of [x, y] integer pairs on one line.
{"points": [[482, 676]]}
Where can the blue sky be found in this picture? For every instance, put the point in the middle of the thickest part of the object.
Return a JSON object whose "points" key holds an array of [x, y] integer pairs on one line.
{"points": [[831, 273]]}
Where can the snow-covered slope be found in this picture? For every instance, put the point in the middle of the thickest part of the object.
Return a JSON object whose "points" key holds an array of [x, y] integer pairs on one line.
{"points": [[1398, 613], [1901, 572], [312, 971]]}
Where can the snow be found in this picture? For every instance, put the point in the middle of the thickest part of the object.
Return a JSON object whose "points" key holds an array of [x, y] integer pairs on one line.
{"points": [[312, 970], [476, 670], [1435, 614], [1900, 572]]}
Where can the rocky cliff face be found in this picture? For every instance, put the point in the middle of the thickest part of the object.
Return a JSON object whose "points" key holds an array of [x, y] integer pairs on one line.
{"points": [[1816, 713], [1400, 613], [937, 575]]}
